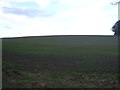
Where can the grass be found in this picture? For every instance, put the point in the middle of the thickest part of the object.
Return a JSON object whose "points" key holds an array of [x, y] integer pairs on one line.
{"points": [[16, 78], [60, 61], [54, 79]]}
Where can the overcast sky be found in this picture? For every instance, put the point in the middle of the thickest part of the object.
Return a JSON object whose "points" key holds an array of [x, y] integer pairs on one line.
{"points": [[56, 17]]}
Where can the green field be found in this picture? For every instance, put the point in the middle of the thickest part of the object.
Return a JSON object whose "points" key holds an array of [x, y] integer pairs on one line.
{"points": [[60, 61]]}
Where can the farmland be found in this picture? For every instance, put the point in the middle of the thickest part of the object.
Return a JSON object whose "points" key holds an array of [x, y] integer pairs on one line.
{"points": [[60, 61]]}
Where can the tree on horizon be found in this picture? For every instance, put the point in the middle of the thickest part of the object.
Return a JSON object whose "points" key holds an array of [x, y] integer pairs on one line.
{"points": [[115, 3]]}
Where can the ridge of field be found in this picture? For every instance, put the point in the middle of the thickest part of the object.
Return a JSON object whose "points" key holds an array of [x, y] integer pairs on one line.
{"points": [[54, 45]]}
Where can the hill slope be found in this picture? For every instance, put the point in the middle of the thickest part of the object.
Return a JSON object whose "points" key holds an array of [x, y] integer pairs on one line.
{"points": [[81, 54]]}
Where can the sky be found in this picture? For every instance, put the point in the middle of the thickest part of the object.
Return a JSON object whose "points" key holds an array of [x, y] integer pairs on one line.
{"points": [[19, 18]]}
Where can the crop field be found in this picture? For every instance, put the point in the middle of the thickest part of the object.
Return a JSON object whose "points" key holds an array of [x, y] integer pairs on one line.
{"points": [[60, 62]]}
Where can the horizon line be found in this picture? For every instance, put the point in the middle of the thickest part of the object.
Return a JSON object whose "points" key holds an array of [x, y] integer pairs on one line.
{"points": [[50, 36]]}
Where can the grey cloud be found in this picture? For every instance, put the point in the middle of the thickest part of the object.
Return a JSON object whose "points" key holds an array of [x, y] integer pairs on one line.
{"points": [[5, 26], [28, 12]]}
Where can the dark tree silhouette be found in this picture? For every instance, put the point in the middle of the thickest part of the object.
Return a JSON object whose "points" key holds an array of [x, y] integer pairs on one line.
{"points": [[116, 28], [115, 3]]}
